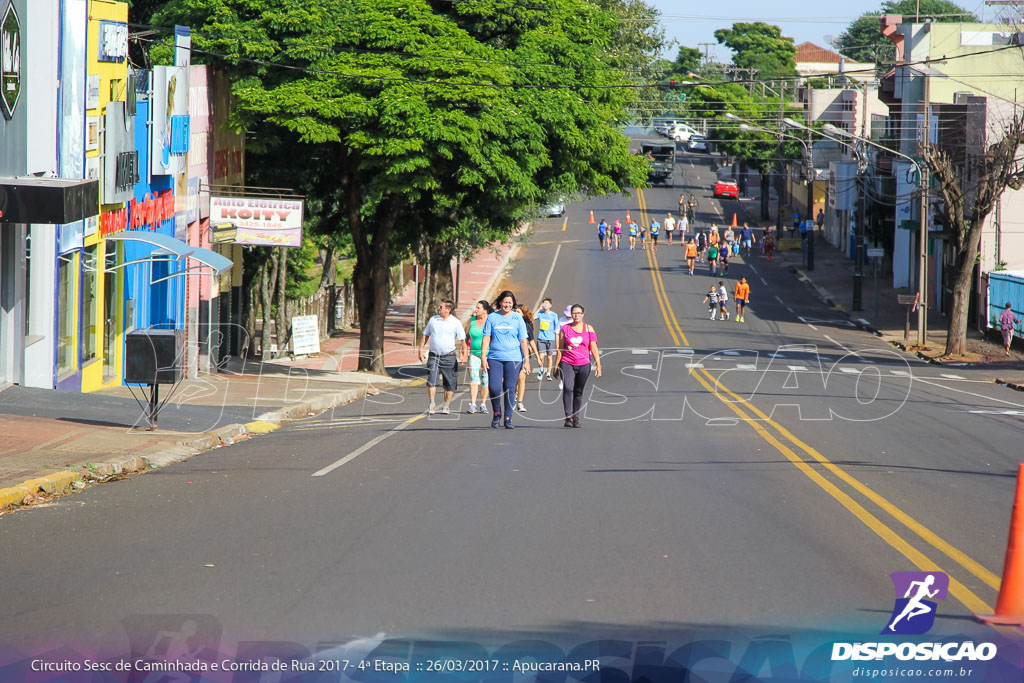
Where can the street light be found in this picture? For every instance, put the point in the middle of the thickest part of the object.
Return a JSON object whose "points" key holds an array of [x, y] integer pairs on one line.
{"points": [[858, 253], [746, 127], [922, 270]]}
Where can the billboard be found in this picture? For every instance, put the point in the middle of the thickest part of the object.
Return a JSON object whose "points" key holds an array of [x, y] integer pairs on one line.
{"points": [[73, 31], [170, 129], [120, 158], [258, 221]]}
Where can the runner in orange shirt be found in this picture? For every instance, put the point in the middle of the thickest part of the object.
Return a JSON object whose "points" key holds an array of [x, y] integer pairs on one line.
{"points": [[691, 254], [742, 296]]}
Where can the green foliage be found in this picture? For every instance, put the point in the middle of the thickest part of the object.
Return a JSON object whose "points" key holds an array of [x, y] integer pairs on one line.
{"points": [[688, 60], [862, 41], [760, 46]]}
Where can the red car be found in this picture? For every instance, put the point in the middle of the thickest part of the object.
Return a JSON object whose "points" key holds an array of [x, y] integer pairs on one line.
{"points": [[727, 187]]}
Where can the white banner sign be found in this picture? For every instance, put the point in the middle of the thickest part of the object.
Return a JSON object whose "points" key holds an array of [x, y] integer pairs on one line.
{"points": [[305, 335], [257, 221]]}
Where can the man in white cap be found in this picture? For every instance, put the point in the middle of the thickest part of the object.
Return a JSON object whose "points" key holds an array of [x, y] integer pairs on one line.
{"points": [[566, 318]]}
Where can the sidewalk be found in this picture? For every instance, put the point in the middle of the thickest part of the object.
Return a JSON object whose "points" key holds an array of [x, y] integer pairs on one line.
{"points": [[882, 314], [60, 441]]}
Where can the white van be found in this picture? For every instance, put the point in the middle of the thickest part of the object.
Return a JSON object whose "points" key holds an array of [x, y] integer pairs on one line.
{"points": [[682, 132]]}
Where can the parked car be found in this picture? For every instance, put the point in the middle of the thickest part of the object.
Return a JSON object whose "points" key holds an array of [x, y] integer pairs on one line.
{"points": [[554, 209], [697, 143], [726, 187], [682, 132]]}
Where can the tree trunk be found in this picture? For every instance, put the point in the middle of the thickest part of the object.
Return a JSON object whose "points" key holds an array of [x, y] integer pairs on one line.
{"points": [[283, 319], [265, 308], [441, 280], [765, 187], [956, 336]]}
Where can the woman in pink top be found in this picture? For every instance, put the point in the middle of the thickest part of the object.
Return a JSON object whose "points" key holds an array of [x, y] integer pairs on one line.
{"points": [[617, 232], [1006, 322], [577, 344]]}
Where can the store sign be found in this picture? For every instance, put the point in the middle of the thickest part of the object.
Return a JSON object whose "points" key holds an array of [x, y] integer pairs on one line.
{"points": [[145, 215], [257, 220], [113, 41], [169, 129], [179, 134], [120, 158], [10, 61]]}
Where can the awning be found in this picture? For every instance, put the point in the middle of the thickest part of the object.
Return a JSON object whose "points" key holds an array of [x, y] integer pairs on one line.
{"points": [[165, 245], [48, 200]]}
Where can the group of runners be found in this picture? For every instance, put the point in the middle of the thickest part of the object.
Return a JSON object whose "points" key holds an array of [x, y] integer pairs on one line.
{"points": [[503, 337], [717, 300]]}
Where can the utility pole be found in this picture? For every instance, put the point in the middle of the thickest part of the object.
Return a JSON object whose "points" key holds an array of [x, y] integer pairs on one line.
{"points": [[707, 51], [922, 285]]}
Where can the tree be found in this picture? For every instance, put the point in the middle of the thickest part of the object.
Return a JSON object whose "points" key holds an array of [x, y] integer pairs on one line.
{"points": [[405, 103], [688, 60], [760, 46], [969, 190], [862, 41]]}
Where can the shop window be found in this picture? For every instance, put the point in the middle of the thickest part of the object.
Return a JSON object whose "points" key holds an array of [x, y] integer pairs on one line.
{"points": [[89, 308], [65, 314], [111, 298]]}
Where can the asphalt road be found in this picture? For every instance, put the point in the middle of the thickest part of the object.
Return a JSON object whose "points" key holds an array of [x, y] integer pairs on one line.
{"points": [[751, 478]]}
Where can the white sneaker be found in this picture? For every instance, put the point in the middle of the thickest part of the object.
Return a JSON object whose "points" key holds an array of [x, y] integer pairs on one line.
{"points": [[432, 409], [483, 408], [471, 409], [550, 378], [712, 317], [446, 409], [520, 408]]}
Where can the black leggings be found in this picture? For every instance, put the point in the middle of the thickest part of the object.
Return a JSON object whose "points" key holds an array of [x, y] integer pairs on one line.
{"points": [[574, 381]]}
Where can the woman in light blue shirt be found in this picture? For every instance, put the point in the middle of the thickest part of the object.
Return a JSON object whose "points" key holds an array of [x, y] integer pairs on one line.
{"points": [[505, 348]]}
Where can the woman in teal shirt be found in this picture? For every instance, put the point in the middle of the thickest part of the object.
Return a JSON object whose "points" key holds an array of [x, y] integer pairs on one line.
{"points": [[475, 332]]}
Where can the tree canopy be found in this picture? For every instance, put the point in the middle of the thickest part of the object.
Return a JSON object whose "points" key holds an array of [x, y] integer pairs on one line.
{"points": [[688, 60], [862, 41], [760, 46]]}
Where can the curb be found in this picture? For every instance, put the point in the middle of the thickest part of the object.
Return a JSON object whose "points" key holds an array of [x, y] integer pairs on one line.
{"points": [[1009, 385]]}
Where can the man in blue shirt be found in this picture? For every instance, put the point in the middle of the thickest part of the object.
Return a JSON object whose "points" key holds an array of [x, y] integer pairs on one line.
{"points": [[655, 229], [546, 322], [747, 239], [602, 231]]}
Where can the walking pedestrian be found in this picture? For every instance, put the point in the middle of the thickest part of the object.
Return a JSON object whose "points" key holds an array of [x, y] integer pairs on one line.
{"points": [[821, 219], [506, 349], [691, 209], [723, 302], [632, 235], [769, 245], [566, 318], [747, 240], [682, 204], [477, 368], [643, 238], [723, 257], [670, 227], [1007, 320], [577, 347], [546, 325], [691, 254], [602, 233], [729, 237], [711, 299], [655, 229], [713, 259], [742, 296], [617, 233], [684, 229], [796, 224], [443, 332], [531, 338], [702, 245]]}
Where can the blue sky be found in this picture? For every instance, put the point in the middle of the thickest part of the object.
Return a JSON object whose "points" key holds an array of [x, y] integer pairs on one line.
{"points": [[691, 23]]}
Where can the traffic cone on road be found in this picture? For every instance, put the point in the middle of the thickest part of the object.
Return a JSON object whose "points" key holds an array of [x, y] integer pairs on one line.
{"points": [[591, 217], [734, 221], [628, 219], [1010, 603]]}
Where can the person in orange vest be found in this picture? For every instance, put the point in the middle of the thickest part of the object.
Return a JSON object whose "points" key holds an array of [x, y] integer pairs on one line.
{"points": [[691, 254]]}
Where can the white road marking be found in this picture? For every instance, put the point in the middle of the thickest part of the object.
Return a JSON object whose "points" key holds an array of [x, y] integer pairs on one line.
{"points": [[779, 299], [850, 371], [685, 352], [797, 368], [753, 268], [865, 360], [730, 353], [839, 344], [971, 393], [640, 352], [899, 373], [811, 326], [746, 366], [544, 287], [694, 366], [645, 366], [995, 412], [763, 280], [565, 222], [367, 446], [953, 376]]}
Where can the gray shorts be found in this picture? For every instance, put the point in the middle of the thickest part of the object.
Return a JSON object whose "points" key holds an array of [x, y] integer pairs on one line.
{"points": [[442, 369], [546, 347]]}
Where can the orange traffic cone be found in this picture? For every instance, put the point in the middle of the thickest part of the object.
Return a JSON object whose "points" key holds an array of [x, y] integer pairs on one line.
{"points": [[628, 219], [591, 217], [734, 220], [1010, 603]]}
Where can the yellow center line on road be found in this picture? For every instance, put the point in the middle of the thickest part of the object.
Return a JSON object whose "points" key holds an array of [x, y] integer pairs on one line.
{"points": [[712, 384], [565, 223]]}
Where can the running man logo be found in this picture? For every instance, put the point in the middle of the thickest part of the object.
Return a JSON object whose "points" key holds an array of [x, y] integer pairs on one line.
{"points": [[914, 611]]}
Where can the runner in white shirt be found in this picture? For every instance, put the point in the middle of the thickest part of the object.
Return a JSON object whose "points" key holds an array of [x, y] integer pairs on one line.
{"points": [[670, 226]]}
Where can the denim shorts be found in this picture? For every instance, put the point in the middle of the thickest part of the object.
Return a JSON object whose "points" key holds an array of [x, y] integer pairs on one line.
{"points": [[442, 369], [546, 347]]}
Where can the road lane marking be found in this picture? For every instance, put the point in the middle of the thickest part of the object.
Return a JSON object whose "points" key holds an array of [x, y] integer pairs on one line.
{"points": [[779, 299], [850, 371], [961, 592], [763, 280], [797, 368], [900, 373], [746, 366], [639, 352], [753, 268], [544, 287], [565, 223], [970, 393], [367, 446], [645, 366], [953, 376], [839, 344]]}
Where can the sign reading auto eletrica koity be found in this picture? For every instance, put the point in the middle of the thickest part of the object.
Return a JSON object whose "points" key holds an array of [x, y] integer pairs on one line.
{"points": [[257, 220]]}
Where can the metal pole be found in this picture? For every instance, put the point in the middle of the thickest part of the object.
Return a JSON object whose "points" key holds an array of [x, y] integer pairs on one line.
{"points": [[876, 288], [810, 213], [922, 286], [858, 249]]}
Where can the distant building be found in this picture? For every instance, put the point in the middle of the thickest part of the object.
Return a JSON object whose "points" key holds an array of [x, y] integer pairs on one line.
{"points": [[814, 60]]}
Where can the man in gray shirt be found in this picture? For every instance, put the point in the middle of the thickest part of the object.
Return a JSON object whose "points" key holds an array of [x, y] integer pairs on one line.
{"points": [[443, 332]]}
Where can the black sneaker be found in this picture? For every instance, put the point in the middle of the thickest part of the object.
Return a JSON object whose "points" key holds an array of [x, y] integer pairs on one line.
{"points": [[508, 423], [568, 422], [576, 423], [496, 421]]}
